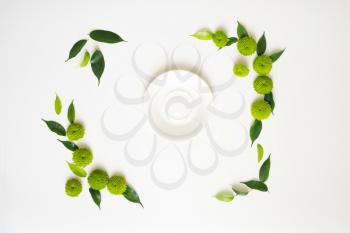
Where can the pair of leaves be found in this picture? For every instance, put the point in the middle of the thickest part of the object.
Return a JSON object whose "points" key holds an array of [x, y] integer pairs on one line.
{"points": [[55, 127], [131, 195], [241, 31], [78, 171], [255, 130]]}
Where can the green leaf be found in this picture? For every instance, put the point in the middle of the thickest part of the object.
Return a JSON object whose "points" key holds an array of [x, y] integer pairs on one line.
{"points": [[131, 195], [265, 170], [78, 171], [203, 34], [71, 113], [276, 55], [96, 196], [261, 46], [58, 105], [85, 60], [257, 185], [105, 36], [55, 127], [239, 192], [225, 196], [97, 64], [231, 40], [76, 48], [260, 150], [269, 98], [69, 145], [255, 130], [241, 31]]}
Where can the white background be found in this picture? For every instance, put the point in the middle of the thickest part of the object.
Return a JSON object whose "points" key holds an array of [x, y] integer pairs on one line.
{"points": [[307, 136]]}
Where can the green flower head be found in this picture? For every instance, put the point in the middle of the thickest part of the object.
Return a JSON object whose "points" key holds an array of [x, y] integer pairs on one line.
{"points": [[263, 85], [260, 109], [75, 131], [262, 64], [82, 157], [73, 187], [98, 179], [117, 185], [240, 70], [246, 46], [220, 39]]}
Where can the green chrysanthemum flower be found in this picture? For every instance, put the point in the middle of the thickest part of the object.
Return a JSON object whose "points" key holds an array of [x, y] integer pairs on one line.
{"points": [[246, 46], [220, 39], [260, 109], [262, 64], [240, 70], [82, 157], [117, 185], [75, 131], [73, 187], [263, 85], [98, 179]]}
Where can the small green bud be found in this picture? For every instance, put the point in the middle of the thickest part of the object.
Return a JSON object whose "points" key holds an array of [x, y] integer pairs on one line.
{"points": [[98, 179], [117, 185], [82, 157], [262, 64], [263, 85], [260, 109], [220, 39], [75, 131], [240, 70], [73, 187], [246, 46]]}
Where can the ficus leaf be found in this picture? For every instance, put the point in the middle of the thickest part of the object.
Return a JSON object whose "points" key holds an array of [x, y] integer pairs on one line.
{"points": [[97, 64], [225, 196], [76, 48], [78, 171], [257, 185], [55, 127], [69, 145], [203, 34], [131, 195], [255, 130], [276, 55], [105, 36], [260, 151], [241, 31], [85, 60], [96, 196], [269, 98], [265, 170], [261, 46], [71, 113], [58, 105]]}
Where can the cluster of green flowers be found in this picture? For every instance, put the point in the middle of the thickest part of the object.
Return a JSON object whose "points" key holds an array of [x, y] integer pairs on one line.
{"points": [[263, 85], [82, 157]]}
